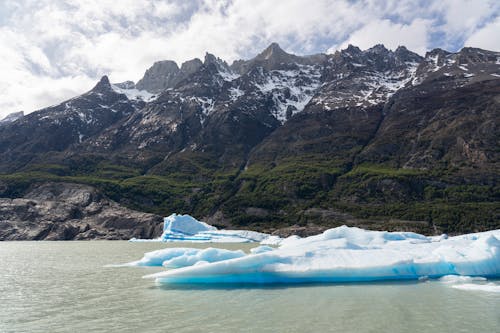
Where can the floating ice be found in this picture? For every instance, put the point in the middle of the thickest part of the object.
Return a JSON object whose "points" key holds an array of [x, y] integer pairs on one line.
{"points": [[347, 254], [473, 283], [184, 224], [182, 257], [452, 279], [488, 287], [185, 228]]}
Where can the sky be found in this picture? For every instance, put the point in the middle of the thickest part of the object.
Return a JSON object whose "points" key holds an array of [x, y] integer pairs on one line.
{"points": [[52, 50]]}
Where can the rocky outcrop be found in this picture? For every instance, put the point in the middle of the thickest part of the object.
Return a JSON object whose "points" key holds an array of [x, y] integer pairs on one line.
{"points": [[166, 74], [65, 211]]}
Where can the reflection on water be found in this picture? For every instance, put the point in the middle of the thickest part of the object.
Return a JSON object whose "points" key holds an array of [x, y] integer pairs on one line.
{"points": [[65, 287]]}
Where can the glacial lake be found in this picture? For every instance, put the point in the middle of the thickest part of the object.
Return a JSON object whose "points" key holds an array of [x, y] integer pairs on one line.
{"points": [[66, 287]]}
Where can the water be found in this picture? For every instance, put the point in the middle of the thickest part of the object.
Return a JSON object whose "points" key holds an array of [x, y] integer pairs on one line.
{"points": [[64, 287]]}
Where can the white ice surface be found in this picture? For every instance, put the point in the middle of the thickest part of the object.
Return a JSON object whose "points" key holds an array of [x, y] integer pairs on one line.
{"points": [[182, 257], [347, 254], [488, 287], [471, 283]]}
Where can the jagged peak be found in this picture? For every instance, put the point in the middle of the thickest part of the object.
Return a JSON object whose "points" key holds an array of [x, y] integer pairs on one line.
{"points": [[191, 66], [210, 59], [406, 55], [378, 48], [436, 51], [272, 51], [220, 64], [351, 47], [103, 84]]}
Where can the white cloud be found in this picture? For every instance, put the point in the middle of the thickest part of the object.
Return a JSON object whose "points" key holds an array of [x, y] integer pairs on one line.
{"points": [[486, 37], [392, 35], [54, 49]]}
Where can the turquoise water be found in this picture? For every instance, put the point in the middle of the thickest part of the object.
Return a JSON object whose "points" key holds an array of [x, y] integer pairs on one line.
{"points": [[65, 287]]}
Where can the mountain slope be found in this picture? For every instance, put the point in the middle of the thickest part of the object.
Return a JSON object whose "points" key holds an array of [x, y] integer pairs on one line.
{"points": [[376, 138]]}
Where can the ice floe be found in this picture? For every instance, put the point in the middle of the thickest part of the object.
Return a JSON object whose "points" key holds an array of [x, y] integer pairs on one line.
{"points": [[348, 254], [472, 283]]}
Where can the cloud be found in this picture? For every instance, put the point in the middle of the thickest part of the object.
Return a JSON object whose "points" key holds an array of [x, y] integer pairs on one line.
{"points": [[413, 36], [486, 37], [52, 50]]}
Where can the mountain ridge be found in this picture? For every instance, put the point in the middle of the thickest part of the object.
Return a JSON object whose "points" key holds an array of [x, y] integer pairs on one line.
{"points": [[279, 140]]}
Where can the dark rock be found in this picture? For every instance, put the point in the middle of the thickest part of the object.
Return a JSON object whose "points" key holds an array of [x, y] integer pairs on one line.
{"points": [[48, 212]]}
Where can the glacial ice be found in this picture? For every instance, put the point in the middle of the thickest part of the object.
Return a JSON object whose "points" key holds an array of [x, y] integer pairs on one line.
{"points": [[185, 228], [182, 257], [348, 254]]}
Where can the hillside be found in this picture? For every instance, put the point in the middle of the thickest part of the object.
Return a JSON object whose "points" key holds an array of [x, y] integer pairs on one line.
{"points": [[279, 143]]}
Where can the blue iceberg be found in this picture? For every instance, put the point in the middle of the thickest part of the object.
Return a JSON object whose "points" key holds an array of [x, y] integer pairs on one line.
{"points": [[185, 228], [347, 254]]}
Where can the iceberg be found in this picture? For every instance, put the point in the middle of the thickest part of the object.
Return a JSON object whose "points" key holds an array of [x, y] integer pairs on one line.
{"points": [[182, 257], [349, 254], [185, 228]]}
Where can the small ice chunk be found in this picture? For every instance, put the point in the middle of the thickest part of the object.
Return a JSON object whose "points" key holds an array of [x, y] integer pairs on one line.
{"points": [[460, 279], [488, 287]]}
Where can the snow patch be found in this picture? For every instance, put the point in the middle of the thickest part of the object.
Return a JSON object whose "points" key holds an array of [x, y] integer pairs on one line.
{"points": [[291, 90], [235, 93], [133, 93]]}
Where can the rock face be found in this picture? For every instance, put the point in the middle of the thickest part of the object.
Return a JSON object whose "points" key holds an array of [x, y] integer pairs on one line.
{"points": [[378, 134], [166, 74], [64, 211]]}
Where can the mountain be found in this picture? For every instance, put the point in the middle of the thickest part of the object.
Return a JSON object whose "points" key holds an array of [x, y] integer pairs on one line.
{"points": [[12, 117], [281, 143]]}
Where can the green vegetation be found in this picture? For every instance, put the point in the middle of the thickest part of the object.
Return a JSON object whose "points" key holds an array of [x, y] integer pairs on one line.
{"points": [[275, 195]]}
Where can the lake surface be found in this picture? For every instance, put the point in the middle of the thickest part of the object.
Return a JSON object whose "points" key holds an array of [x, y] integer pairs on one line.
{"points": [[65, 287]]}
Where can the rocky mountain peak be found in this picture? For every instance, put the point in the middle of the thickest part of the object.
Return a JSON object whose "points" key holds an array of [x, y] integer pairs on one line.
{"points": [[406, 55], [210, 59], [162, 75], [272, 51], [191, 66], [11, 117], [436, 54], [378, 49], [103, 85], [272, 58], [351, 50], [472, 55]]}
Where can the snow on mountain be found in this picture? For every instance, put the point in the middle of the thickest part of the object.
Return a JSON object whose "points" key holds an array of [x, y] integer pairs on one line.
{"points": [[11, 117], [290, 90], [133, 93]]}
